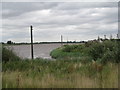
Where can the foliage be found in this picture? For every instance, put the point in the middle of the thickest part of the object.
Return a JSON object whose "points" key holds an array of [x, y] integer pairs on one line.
{"points": [[71, 68], [59, 73], [104, 52], [8, 55], [68, 52], [9, 42]]}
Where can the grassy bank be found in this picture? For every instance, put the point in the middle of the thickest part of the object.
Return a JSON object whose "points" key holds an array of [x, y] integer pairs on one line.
{"points": [[74, 67], [107, 51]]}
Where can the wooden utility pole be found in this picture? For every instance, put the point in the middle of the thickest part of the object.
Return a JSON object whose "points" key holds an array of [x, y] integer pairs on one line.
{"points": [[32, 56], [61, 40]]}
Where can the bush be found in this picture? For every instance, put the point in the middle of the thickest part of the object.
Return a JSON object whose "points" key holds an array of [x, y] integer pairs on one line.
{"points": [[108, 50], [8, 55], [96, 50], [68, 48], [107, 56], [72, 48]]}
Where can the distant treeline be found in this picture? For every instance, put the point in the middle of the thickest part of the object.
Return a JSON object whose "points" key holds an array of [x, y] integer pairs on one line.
{"points": [[14, 43], [10, 42]]}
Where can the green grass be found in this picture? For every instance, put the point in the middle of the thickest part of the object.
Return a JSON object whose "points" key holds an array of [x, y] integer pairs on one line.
{"points": [[62, 73], [73, 67], [69, 52], [59, 74], [101, 52]]}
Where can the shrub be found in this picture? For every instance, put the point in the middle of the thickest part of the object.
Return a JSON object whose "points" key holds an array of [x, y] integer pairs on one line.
{"points": [[72, 48], [8, 55], [96, 50], [108, 50], [107, 56], [68, 48]]}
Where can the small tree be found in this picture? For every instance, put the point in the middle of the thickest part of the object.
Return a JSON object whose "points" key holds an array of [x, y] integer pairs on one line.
{"points": [[9, 42]]}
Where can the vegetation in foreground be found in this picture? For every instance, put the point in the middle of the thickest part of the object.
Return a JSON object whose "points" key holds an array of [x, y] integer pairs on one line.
{"points": [[107, 51], [93, 65]]}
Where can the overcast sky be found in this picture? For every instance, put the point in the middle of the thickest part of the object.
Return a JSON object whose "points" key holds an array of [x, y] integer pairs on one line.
{"points": [[74, 20]]}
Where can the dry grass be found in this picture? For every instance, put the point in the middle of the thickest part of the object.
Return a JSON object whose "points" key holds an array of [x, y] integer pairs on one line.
{"points": [[111, 79], [73, 70], [48, 81], [0, 80], [73, 80]]}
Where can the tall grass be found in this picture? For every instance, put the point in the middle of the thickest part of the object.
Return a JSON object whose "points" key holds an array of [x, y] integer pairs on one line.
{"points": [[75, 67], [47, 81], [75, 75], [62, 73]]}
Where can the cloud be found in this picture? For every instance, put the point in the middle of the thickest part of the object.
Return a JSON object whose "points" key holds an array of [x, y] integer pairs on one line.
{"points": [[74, 5], [61, 0], [76, 21], [12, 9]]}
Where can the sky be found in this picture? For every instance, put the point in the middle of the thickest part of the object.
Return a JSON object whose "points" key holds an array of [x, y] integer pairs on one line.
{"points": [[75, 21]]}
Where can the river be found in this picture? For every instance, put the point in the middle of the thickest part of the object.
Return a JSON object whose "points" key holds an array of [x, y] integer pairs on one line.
{"points": [[40, 50]]}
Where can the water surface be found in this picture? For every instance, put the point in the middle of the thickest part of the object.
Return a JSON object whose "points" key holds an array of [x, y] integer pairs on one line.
{"points": [[40, 50]]}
